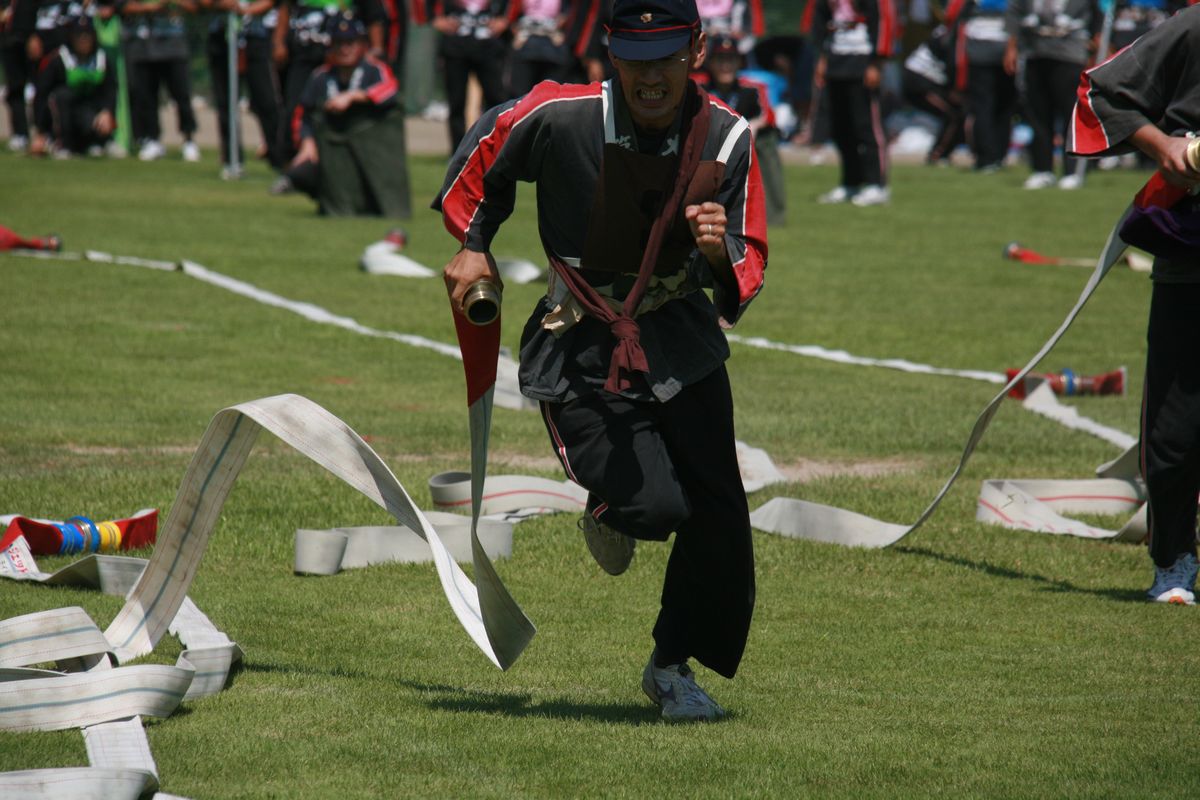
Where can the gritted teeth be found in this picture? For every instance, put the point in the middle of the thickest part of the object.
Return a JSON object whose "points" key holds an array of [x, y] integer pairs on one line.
{"points": [[651, 94]]}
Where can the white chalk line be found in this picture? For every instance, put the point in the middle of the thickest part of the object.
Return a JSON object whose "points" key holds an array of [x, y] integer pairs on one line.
{"points": [[1043, 405]]}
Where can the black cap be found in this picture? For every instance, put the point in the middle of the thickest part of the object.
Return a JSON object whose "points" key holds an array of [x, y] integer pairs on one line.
{"points": [[345, 27], [645, 30], [723, 45]]}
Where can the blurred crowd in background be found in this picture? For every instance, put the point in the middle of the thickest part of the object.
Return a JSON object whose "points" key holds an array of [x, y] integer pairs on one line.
{"points": [[329, 82]]}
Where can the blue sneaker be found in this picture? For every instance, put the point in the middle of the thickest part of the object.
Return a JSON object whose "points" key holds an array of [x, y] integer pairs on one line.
{"points": [[1176, 584]]}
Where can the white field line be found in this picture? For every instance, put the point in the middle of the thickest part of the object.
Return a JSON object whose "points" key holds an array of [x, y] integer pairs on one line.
{"points": [[1046, 406]]}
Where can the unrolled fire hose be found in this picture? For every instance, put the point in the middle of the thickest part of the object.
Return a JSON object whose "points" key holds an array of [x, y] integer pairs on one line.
{"points": [[91, 691], [802, 519]]}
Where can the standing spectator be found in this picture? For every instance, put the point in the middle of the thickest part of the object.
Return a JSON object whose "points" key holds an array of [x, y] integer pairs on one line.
{"points": [[17, 73], [77, 93], [472, 43], [396, 19], [741, 19], [1049, 42], [350, 132], [1148, 97], [256, 21], [981, 73], [929, 85], [157, 52], [854, 38], [592, 46], [544, 34], [300, 42]]}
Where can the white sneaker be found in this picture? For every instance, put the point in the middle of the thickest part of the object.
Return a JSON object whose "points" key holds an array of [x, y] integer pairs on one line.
{"points": [[18, 144], [1070, 182], [1176, 583], [872, 195], [229, 173], [839, 194], [1108, 163], [673, 688], [191, 151], [152, 150], [1039, 180], [612, 550], [115, 149], [95, 151]]}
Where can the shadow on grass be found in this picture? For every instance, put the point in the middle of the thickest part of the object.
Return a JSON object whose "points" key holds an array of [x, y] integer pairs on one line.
{"points": [[1047, 584], [444, 697], [522, 704]]}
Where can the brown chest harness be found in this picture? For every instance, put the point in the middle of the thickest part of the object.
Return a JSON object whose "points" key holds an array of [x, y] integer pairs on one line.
{"points": [[637, 227]]}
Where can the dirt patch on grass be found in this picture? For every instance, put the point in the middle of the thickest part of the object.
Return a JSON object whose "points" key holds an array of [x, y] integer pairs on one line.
{"points": [[807, 470]]}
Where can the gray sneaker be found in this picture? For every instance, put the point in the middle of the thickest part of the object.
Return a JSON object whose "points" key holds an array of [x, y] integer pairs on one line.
{"points": [[673, 688], [612, 550]]}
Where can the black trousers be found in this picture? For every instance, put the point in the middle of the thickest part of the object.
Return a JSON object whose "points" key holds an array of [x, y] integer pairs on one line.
{"points": [[262, 85], [1170, 446], [653, 468], [1049, 99], [71, 118], [857, 131], [301, 63], [145, 78], [991, 101], [17, 74], [527, 73], [463, 56]]}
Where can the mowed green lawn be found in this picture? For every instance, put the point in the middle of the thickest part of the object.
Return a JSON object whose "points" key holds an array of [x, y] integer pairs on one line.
{"points": [[967, 661]]}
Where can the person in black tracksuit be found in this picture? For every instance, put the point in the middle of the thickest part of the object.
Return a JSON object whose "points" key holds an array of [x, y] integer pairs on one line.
{"points": [[980, 74], [256, 21], [17, 72], [157, 53], [854, 37], [1049, 44], [472, 42], [1148, 97], [77, 92], [544, 38]]}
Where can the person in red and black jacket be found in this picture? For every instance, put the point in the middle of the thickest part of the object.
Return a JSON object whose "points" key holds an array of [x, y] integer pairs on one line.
{"points": [[299, 43], [472, 41], [854, 38], [1147, 97], [648, 191], [349, 131], [980, 75]]}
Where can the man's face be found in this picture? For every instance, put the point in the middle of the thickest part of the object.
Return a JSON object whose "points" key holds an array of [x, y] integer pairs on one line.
{"points": [[653, 90], [347, 52]]}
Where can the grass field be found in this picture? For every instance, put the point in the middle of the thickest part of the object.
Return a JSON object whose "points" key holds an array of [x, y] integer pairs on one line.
{"points": [[968, 661]]}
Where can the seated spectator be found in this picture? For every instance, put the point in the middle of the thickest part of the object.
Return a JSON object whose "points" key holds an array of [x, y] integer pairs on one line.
{"points": [[750, 99], [929, 85], [349, 132], [76, 95]]}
